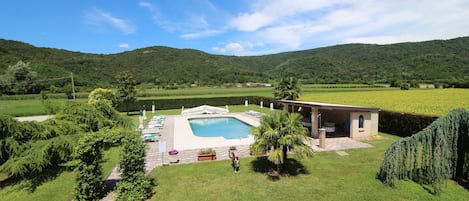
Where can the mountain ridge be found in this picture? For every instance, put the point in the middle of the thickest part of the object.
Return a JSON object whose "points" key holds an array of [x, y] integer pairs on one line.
{"points": [[436, 61]]}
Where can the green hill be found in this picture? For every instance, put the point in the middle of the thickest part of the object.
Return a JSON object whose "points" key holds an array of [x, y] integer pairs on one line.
{"points": [[438, 61]]}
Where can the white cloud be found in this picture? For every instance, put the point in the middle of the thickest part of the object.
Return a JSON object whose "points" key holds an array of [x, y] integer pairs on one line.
{"points": [[300, 24], [236, 48], [124, 45], [271, 13], [193, 20], [102, 20], [202, 34], [147, 5]]}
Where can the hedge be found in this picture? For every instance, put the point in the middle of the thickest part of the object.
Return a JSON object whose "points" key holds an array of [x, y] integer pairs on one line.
{"points": [[166, 104], [403, 124]]}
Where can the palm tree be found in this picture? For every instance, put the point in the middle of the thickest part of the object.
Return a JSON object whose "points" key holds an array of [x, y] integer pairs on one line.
{"points": [[279, 133], [287, 89]]}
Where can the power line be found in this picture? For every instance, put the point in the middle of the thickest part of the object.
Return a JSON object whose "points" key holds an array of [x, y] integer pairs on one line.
{"points": [[32, 81]]}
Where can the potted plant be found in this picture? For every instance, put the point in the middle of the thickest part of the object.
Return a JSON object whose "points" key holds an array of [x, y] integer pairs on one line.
{"points": [[173, 158], [207, 154], [254, 152], [173, 152]]}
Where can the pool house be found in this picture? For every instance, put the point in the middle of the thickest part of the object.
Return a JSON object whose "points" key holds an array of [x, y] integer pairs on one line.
{"points": [[356, 122]]}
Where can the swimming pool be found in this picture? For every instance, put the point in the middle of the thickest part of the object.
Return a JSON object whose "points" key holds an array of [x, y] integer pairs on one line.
{"points": [[226, 127]]}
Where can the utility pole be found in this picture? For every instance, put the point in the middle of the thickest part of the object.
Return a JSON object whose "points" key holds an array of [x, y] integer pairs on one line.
{"points": [[73, 86]]}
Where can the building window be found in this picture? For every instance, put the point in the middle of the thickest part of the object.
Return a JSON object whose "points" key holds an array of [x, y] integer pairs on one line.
{"points": [[361, 120]]}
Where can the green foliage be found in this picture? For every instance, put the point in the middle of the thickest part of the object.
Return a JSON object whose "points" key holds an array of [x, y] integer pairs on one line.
{"points": [[440, 61], [114, 136], [112, 118], [134, 184], [403, 124], [27, 148], [279, 133], [89, 185], [106, 95], [19, 79], [52, 106], [84, 115], [405, 86], [287, 89], [132, 155], [126, 91], [36, 156], [438, 152], [163, 104], [138, 189]]}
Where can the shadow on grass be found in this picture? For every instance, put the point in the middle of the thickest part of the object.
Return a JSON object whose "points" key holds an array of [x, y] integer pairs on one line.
{"points": [[109, 185], [463, 182], [292, 167], [31, 182]]}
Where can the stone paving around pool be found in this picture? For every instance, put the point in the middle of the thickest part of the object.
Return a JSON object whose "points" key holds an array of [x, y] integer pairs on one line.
{"points": [[188, 153], [155, 158]]}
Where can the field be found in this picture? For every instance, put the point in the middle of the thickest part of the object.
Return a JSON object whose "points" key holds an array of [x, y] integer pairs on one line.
{"points": [[422, 101], [419, 101]]}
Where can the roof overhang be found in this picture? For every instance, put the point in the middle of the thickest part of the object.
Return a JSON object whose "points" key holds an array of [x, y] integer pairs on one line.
{"points": [[204, 109], [328, 106]]}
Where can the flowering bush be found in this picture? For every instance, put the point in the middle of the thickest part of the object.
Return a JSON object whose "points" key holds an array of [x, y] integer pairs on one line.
{"points": [[173, 152]]}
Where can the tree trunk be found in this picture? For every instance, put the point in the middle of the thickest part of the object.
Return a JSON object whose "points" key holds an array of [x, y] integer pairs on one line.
{"points": [[279, 169]]}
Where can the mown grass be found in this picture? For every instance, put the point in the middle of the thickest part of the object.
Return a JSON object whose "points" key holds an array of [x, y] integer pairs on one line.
{"points": [[327, 176], [420, 101], [28, 107], [54, 185]]}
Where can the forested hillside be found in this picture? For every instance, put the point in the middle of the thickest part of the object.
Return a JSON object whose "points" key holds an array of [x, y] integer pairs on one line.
{"points": [[439, 61]]}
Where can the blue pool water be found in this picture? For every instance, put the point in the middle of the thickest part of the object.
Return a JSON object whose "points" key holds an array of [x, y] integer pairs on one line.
{"points": [[227, 127]]}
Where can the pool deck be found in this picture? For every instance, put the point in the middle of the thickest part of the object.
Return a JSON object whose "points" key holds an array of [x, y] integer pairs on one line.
{"points": [[177, 134], [184, 139]]}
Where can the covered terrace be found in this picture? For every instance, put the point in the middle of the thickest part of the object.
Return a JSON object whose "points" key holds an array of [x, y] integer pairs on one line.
{"points": [[356, 122]]}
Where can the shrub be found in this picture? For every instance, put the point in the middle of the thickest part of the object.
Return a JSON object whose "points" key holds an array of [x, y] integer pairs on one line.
{"points": [[405, 86], [89, 171], [138, 189], [403, 124], [134, 184], [207, 151]]}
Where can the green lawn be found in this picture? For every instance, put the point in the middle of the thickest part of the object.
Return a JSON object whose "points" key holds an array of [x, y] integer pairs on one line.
{"points": [[58, 185], [327, 176]]}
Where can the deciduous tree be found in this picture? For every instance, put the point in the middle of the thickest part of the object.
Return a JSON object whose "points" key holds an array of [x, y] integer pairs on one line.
{"points": [[20, 79], [126, 91]]}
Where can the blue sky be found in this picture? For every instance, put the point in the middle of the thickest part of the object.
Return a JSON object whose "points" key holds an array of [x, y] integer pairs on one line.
{"points": [[242, 27]]}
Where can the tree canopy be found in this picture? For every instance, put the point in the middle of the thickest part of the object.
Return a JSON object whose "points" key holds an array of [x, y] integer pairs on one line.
{"points": [[440, 61], [279, 133], [287, 89], [19, 79], [28, 148], [438, 152], [126, 91]]}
